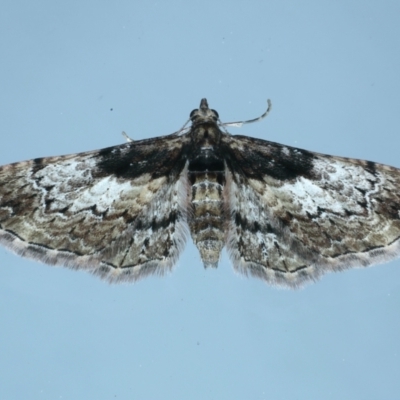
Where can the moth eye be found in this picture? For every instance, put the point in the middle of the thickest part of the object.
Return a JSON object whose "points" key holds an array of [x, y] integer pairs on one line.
{"points": [[192, 113], [216, 114]]}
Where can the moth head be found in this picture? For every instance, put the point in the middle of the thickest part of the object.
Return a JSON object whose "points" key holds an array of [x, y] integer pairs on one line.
{"points": [[203, 114]]}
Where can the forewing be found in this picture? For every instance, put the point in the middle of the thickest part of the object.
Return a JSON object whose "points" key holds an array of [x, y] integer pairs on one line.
{"points": [[118, 212], [299, 214]]}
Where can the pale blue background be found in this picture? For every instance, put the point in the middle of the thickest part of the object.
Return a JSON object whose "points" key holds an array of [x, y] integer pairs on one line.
{"points": [[331, 69]]}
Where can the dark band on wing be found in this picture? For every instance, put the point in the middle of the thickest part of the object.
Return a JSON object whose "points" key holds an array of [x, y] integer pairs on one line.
{"points": [[258, 158], [129, 161]]}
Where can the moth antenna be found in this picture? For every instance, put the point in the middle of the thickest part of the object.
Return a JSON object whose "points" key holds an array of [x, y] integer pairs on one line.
{"points": [[128, 139], [238, 124]]}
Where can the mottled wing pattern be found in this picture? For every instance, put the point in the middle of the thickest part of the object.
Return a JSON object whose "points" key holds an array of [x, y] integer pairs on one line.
{"points": [[116, 212], [286, 215], [296, 214]]}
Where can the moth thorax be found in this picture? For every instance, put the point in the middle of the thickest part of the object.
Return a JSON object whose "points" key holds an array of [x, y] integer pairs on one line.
{"points": [[206, 220]]}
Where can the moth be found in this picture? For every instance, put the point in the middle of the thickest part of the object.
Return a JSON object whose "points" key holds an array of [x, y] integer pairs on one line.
{"points": [[284, 214]]}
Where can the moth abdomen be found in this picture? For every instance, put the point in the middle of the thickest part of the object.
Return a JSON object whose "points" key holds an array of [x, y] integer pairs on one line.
{"points": [[207, 218]]}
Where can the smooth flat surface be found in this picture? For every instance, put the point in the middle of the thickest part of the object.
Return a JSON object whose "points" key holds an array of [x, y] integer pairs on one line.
{"points": [[331, 70]]}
